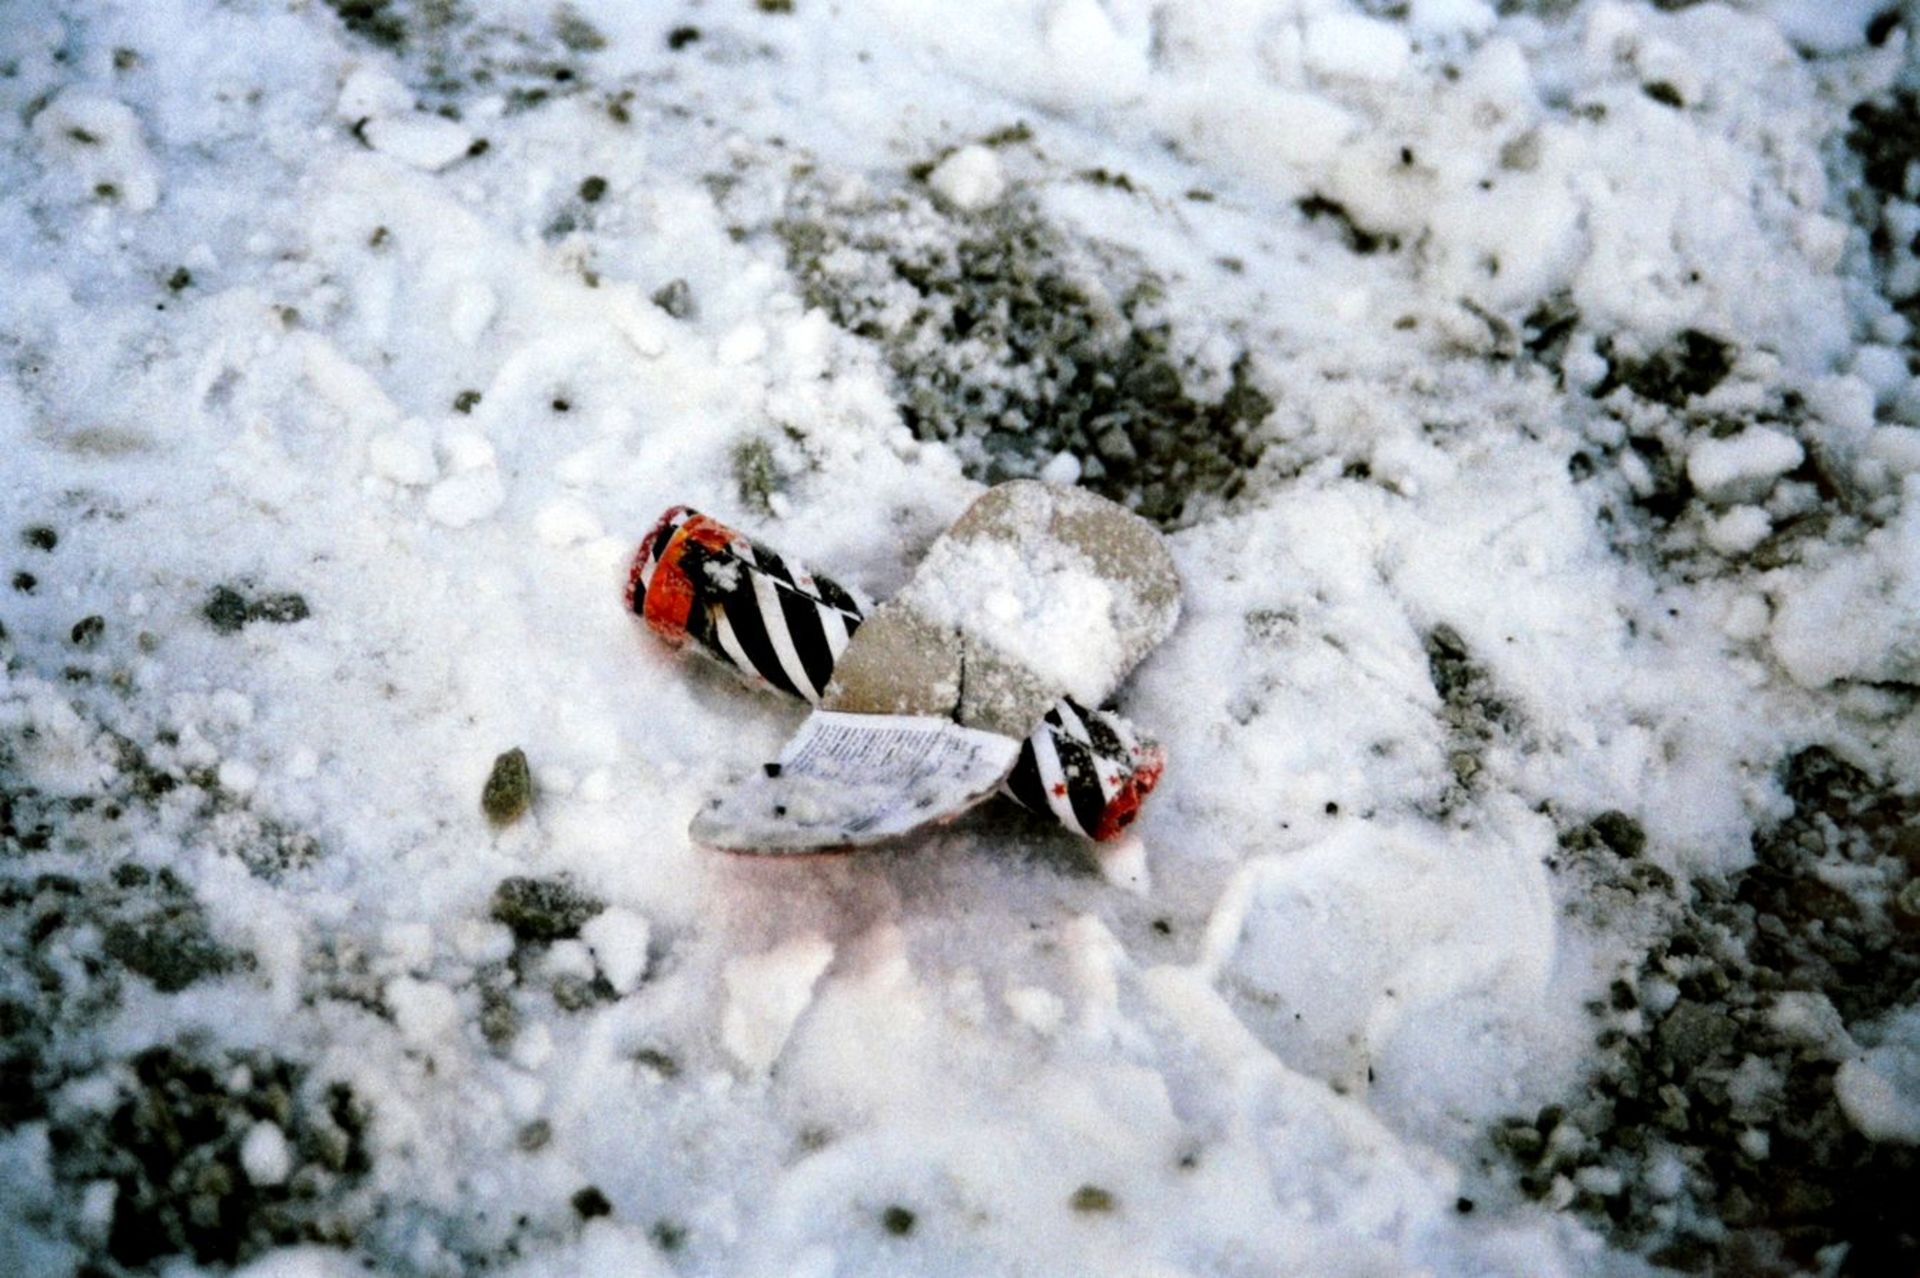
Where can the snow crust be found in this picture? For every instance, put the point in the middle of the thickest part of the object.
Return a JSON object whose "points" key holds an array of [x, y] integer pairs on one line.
{"points": [[425, 385]]}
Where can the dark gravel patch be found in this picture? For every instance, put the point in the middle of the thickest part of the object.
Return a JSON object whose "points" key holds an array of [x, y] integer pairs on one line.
{"points": [[170, 1142], [1474, 713], [1710, 1136], [1012, 344], [1883, 136]]}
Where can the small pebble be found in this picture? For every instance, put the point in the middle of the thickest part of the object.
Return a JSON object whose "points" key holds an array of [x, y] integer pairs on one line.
{"points": [[226, 609], [675, 298], [1091, 1198], [542, 910], [509, 789]]}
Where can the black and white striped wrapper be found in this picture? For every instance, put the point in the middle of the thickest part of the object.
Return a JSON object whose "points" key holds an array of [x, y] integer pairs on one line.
{"points": [[696, 581]]}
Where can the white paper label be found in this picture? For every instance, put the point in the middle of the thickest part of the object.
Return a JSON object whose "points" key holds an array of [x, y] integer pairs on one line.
{"points": [[889, 749], [851, 779]]}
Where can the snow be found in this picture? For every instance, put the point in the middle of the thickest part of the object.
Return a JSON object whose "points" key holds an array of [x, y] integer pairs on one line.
{"points": [[1064, 469], [1825, 25], [1276, 1021], [1346, 44], [265, 1155], [1038, 1009], [1743, 465], [423, 141], [1880, 1088], [101, 142], [1345, 934], [1739, 530], [368, 91], [425, 1012], [1858, 618], [765, 995], [1055, 616], [311, 1261], [1038, 598], [404, 456], [969, 179], [1449, 17], [618, 939]]}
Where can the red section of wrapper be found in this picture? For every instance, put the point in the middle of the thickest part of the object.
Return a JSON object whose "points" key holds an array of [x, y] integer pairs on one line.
{"points": [[669, 597], [1148, 763], [644, 558]]}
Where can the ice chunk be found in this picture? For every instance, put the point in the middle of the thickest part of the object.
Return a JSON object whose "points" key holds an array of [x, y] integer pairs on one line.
{"points": [[1859, 618], [427, 142], [426, 1012], [403, 455], [1844, 403], [742, 344], [1809, 1018], [1898, 447], [370, 92], [1824, 26], [467, 498], [309, 1260], [766, 993], [467, 450], [970, 178], [1742, 466], [1064, 470], [1447, 17], [1356, 47], [641, 322], [238, 776], [1039, 1010], [346, 385], [264, 1154], [618, 939], [1880, 1092], [1739, 530], [1884, 370]]}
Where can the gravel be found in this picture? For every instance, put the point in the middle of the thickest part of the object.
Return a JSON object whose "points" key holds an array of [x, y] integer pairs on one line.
{"points": [[1709, 1135]]}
